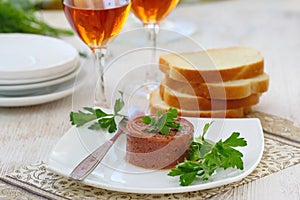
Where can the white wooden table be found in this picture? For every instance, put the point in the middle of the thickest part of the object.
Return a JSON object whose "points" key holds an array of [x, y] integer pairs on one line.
{"points": [[29, 133]]}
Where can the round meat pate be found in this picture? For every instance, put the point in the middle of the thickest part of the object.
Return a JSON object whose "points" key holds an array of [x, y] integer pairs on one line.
{"points": [[154, 150]]}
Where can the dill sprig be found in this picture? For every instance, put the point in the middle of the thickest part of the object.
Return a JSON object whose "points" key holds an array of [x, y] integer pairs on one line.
{"points": [[19, 17]]}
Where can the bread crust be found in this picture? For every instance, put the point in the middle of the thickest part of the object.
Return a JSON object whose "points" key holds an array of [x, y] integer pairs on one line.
{"points": [[194, 75], [190, 102], [156, 103], [224, 90]]}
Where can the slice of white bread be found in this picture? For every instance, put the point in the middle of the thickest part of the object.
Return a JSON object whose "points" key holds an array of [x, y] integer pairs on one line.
{"points": [[213, 65], [156, 103], [190, 102], [228, 90]]}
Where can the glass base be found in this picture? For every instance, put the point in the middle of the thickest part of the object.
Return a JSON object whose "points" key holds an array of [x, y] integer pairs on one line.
{"points": [[136, 88], [139, 95], [183, 26]]}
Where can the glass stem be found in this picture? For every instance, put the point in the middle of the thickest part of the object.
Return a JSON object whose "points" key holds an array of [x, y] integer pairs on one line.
{"points": [[152, 29], [100, 97]]}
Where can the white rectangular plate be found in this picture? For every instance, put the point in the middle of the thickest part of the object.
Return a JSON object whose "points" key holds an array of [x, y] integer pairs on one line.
{"points": [[114, 173]]}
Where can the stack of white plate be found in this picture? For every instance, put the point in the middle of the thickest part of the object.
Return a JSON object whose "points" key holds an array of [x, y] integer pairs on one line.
{"points": [[37, 69]]}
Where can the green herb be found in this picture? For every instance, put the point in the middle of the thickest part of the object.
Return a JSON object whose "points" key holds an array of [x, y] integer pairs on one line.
{"points": [[162, 123], [205, 157], [98, 118], [15, 17], [83, 54]]}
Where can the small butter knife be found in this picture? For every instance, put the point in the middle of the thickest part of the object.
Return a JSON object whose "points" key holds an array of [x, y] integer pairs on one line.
{"points": [[89, 163]]}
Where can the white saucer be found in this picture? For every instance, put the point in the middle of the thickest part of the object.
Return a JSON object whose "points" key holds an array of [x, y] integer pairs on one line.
{"points": [[31, 88], [58, 92], [14, 82], [30, 58]]}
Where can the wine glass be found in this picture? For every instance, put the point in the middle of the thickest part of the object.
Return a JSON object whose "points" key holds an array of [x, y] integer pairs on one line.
{"points": [[97, 22], [151, 13]]}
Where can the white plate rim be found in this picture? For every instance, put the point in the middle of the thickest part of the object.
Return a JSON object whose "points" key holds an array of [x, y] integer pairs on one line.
{"points": [[178, 189], [43, 83], [50, 70], [21, 81], [45, 98]]}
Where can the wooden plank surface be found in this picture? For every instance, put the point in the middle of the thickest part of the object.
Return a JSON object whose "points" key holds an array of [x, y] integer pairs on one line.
{"points": [[29, 133]]}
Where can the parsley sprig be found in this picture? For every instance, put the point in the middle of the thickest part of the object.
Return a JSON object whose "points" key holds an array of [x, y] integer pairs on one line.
{"points": [[205, 157], [98, 118], [162, 123]]}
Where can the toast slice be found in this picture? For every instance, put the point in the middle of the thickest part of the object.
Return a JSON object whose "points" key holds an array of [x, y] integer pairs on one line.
{"points": [[156, 103], [213, 65], [223, 90], [191, 102]]}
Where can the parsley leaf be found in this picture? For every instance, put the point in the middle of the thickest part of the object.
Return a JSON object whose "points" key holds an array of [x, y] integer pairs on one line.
{"points": [[98, 118], [162, 123], [234, 141], [119, 104], [205, 157], [80, 118]]}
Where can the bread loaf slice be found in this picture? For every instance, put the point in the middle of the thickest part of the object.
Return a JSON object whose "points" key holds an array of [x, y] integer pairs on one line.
{"points": [[156, 103], [191, 102], [213, 65], [222, 90]]}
